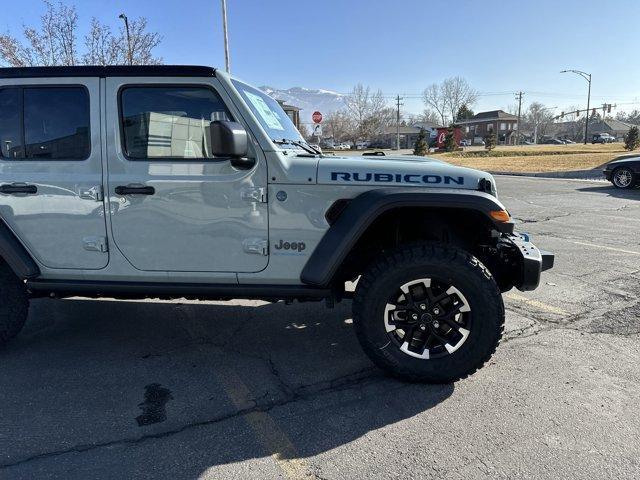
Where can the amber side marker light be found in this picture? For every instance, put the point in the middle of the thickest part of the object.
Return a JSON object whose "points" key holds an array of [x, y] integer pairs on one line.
{"points": [[500, 215]]}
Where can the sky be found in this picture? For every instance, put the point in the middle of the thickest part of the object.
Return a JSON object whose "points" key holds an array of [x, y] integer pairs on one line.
{"points": [[397, 46]]}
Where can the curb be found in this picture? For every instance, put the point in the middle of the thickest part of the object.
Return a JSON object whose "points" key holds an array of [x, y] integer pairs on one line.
{"points": [[593, 174]]}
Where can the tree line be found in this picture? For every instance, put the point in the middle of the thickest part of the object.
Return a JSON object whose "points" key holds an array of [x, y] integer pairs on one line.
{"points": [[55, 42]]}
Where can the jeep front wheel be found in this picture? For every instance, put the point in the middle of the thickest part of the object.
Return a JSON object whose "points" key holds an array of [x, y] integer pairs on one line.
{"points": [[429, 313], [14, 304]]}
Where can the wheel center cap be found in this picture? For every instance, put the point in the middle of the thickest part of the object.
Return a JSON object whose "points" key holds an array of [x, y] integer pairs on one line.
{"points": [[426, 318]]}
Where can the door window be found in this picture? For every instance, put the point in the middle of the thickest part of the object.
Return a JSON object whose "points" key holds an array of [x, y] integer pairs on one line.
{"points": [[50, 123], [169, 121]]}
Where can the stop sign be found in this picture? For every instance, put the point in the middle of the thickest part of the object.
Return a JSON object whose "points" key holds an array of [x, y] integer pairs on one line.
{"points": [[316, 117]]}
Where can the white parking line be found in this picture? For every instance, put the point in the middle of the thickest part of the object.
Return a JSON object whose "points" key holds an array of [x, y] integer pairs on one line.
{"points": [[586, 244]]}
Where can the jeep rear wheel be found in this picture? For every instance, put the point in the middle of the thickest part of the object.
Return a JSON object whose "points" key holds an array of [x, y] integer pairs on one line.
{"points": [[14, 304], [429, 313]]}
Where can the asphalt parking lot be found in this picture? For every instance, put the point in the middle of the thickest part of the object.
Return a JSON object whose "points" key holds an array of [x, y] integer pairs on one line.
{"points": [[126, 389]]}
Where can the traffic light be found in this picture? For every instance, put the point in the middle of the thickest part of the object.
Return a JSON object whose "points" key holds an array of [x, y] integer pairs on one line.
{"points": [[577, 113], [593, 112], [561, 114], [609, 108]]}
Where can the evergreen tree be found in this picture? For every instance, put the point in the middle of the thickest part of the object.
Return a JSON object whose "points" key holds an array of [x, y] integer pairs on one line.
{"points": [[632, 139], [464, 113], [421, 147], [450, 144], [490, 141]]}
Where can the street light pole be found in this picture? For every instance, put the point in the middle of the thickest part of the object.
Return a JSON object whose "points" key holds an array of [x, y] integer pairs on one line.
{"points": [[587, 77], [227, 60], [126, 26]]}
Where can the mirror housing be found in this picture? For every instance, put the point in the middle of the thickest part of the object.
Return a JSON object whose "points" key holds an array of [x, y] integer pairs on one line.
{"points": [[228, 139]]}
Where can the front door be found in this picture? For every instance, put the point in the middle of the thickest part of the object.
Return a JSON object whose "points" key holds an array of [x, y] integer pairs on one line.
{"points": [[174, 206], [51, 170]]}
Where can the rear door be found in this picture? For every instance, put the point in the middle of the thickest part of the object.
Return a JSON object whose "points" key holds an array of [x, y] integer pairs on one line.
{"points": [[51, 170], [174, 206]]}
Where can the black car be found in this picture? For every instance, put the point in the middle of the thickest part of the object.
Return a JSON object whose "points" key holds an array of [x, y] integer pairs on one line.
{"points": [[624, 173]]}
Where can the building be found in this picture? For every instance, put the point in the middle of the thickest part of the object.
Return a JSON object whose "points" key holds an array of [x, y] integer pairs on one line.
{"points": [[292, 112], [615, 128], [498, 122]]}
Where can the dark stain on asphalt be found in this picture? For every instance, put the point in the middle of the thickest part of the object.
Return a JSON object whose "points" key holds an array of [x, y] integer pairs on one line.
{"points": [[153, 408]]}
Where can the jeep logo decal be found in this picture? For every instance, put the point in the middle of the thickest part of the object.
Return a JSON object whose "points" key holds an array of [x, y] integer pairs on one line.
{"points": [[397, 178], [295, 246]]}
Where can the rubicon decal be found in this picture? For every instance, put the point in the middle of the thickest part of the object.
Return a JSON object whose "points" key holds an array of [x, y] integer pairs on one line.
{"points": [[396, 178]]}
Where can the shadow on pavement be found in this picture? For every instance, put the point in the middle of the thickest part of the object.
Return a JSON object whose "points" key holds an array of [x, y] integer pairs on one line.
{"points": [[82, 379], [611, 191]]}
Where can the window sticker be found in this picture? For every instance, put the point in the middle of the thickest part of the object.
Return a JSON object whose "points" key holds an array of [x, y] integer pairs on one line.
{"points": [[269, 117]]}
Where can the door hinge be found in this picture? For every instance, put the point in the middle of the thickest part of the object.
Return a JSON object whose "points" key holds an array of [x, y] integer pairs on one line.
{"points": [[257, 246], [254, 194], [95, 244], [91, 193]]}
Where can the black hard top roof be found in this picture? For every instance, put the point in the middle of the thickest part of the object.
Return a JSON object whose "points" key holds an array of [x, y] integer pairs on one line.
{"points": [[109, 71]]}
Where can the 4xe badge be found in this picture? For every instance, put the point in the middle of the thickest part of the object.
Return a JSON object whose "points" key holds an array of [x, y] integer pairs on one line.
{"points": [[293, 247]]}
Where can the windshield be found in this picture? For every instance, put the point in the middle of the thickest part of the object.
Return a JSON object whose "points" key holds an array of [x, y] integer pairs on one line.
{"points": [[269, 113]]}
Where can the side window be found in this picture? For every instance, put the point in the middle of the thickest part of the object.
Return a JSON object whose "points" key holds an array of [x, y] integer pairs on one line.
{"points": [[169, 121], [50, 123]]}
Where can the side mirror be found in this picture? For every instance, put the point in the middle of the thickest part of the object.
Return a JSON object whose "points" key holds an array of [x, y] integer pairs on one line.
{"points": [[228, 139]]}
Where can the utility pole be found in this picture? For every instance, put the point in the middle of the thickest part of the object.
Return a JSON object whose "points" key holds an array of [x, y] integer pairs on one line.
{"points": [[126, 27], [519, 97], [398, 104], [227, 60]]}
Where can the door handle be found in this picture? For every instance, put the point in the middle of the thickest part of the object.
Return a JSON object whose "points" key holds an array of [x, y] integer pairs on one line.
{"points": [[134, 190], [15, 188]]}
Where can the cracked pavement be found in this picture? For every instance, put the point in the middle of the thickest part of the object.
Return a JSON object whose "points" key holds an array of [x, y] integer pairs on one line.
{"points": [[257, 390]]}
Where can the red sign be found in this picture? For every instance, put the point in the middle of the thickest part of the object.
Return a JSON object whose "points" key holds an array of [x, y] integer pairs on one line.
{"points": [[442, 136], [316, 117]]}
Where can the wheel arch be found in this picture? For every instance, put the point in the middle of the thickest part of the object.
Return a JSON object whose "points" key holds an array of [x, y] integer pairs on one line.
{"points": [[355, 221], [16, 255]]}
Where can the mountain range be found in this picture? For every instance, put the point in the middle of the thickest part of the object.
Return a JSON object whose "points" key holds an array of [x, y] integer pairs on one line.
{"points": [[308, 100]]}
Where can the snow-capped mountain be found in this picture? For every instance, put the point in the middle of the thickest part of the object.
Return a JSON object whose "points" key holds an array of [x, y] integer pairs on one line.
{"points": [[308, 100]]}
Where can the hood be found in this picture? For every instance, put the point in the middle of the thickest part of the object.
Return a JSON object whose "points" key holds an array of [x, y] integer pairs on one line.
{"points": [[399, 170]]}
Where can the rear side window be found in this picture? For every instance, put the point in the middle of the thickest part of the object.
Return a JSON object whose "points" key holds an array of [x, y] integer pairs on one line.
{"points": [[44, 123], [169, 121]]}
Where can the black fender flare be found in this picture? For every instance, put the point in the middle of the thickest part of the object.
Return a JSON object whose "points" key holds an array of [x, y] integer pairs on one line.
{"points": [[16, 256], [361, 211]]}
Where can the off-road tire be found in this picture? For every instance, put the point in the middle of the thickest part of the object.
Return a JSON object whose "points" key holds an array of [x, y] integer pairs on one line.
{"points": [[14, 304], [416, 261]]}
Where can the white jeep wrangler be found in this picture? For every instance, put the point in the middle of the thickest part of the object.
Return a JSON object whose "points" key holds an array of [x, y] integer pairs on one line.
{"points": [[180, 181]]}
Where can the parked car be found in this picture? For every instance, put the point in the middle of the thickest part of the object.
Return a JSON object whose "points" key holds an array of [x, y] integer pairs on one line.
{"points": [[362, 145], [465, 143], [568, 141], [342, 146], [552, 141], [624, 173], [602, 138]]}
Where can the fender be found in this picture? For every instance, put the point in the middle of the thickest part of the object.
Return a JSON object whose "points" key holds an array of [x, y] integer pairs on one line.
{"points": [[16, 256], [365, 208]]}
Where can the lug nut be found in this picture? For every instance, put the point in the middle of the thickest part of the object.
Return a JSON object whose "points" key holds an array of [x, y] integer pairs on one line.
{"points": [[436, 311], [414, 316], [423, 306], [436, 324], [423, 327]]}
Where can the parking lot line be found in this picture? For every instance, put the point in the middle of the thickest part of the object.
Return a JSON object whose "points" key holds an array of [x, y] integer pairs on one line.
{"points": [[537, 304], [272, 438], [586, 244], [266, 429]]}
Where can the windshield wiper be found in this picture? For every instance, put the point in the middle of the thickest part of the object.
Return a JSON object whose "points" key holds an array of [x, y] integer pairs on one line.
{"points": [[302, 145]]}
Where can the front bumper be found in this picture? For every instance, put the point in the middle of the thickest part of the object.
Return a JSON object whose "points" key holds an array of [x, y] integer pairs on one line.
{"points": [[531, 261], [607, 174]]}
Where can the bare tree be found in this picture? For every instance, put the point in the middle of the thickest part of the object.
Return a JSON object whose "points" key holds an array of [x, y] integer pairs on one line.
{"points": [[55, 41], [457, 92], [447, 97], [338, 126], [429, 116], [538, 118], [435, 100], [368, 113]]}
